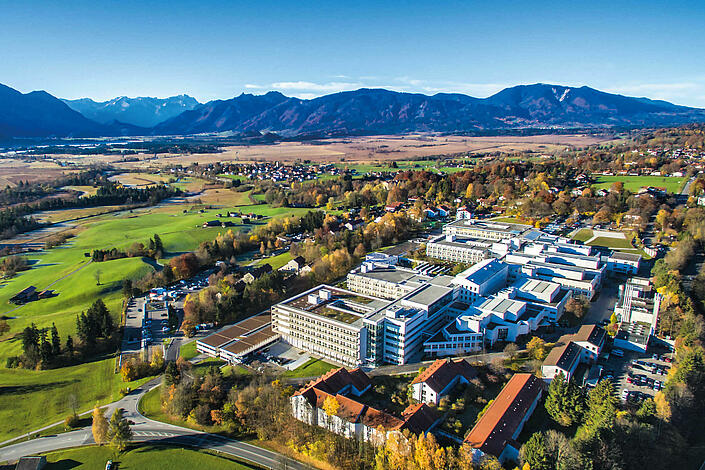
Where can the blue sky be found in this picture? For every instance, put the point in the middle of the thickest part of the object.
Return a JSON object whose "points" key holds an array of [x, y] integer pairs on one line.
{"points": [[219, 49]]}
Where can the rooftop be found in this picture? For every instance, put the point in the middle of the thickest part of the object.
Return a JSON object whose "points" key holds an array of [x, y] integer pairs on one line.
{"points": [[592, 334], [443, 371], [564, 354], [482, 271], [497, 426]]}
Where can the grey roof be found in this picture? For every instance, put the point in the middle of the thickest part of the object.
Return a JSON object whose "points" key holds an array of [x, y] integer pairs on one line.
{"points": [[625, 256], [427, 294]]}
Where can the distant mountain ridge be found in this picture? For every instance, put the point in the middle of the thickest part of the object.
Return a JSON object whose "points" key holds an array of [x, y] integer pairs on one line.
{"points": [[39, 114], [360, 112], [140, 111], [379, 111]]}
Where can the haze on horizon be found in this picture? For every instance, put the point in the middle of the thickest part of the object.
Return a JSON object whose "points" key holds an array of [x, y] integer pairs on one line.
{"points": [[218, 49]]}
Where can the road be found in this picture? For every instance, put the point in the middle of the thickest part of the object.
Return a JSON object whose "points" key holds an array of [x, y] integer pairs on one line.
{"points": [[155, 432]]}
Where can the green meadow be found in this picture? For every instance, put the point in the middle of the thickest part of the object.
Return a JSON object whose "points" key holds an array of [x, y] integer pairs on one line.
{"points": [[144, 457], [633, 183], [32, 399]]}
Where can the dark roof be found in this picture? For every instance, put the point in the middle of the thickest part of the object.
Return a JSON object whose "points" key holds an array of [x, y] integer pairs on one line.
{"points": [[442, 372], [27, 291], [334, 381], [563, 355], [31, 463], [593, 334], [419, 418], [496, 427]]}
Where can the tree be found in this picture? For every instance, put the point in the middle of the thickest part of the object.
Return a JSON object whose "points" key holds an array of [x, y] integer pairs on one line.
{"points": [[119, 431], [511, 350], [4, 327], [537, 348], [564, 402], [69, 344], [601, 407], [171, 374], [533, 452], [55, 341], [96, 276], [577, 306], [561, 452], [331, 407], [100, 426]]}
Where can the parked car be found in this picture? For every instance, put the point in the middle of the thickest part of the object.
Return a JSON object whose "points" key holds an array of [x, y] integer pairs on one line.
{"points": [[109, 465]]}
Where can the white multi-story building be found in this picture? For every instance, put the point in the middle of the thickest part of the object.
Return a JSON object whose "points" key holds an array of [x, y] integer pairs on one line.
{"points": [[352, 328], [504, 316], [384, 280], [459, 250], [485, 229], [624, 263], [637, 310], [481, 279]]}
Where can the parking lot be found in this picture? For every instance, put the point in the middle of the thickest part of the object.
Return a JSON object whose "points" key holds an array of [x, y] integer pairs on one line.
{"points": [[146, 321], [637, 376]]}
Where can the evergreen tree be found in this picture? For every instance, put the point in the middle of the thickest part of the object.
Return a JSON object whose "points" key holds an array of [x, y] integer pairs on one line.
{"points": [[171, 374], [69, 344], [45, 350], [55, 340], [534, 453], [30, 338], [601, 407], [119, 431], [564, 402]]}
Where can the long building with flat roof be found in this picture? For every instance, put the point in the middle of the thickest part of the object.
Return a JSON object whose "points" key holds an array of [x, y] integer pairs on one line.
{"points": [[234, 342]]}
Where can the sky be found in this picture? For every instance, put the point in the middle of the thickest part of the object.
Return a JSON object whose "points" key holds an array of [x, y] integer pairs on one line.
{"points": [[220, 49]]}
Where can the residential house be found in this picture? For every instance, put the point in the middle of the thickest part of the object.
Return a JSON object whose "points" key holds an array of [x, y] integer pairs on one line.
{"points": [[439, 379]]}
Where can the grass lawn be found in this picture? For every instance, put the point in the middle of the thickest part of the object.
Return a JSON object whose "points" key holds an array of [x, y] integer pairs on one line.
{"points": [[312, 368], [188, 351], [583, 235], [202, 367], [33, 399], [276, 261], [509, 220], [611, 242], [633, 183], [143, 457]]}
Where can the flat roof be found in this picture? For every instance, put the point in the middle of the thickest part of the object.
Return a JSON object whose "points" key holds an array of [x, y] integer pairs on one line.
{"points": [[482, 271], [427, 294], [625, 256], [392, 274], [246, 343], [241, 329]]}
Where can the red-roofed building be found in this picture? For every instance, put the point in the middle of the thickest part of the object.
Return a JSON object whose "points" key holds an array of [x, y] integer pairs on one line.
{"points": [[440, 378], [497, 430], [352, 418]]}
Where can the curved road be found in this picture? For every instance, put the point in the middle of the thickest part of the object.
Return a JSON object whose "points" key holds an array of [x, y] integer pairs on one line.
{"points": [[155, 432]]}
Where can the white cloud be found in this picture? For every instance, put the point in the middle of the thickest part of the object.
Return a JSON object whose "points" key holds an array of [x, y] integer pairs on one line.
{"points": [[685, 93]]}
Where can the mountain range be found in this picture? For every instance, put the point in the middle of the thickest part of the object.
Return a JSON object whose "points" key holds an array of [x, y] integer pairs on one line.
{"points": [[359, 112], [140, 111]]}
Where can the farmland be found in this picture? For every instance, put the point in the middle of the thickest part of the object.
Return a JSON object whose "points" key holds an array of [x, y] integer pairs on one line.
{"points": [[633, 183]]}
